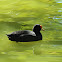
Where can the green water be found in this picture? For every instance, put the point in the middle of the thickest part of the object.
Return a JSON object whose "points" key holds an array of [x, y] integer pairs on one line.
{"points": [[23, 15]]}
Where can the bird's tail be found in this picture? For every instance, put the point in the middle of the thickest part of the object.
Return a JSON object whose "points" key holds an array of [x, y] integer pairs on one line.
{"points": [[8, 34]]}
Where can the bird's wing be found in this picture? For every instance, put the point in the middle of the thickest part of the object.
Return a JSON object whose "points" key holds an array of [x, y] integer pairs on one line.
{"points": [[28, 38]]}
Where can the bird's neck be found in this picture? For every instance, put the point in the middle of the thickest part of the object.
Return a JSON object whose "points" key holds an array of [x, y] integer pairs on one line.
{"points": [[38, 33]]}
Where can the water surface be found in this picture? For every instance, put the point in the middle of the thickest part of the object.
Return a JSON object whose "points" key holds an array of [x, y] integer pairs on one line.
{"points": [[23, 15]]}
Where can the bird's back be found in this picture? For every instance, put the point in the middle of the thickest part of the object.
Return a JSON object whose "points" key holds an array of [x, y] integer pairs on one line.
{"points": [[24, 32]]}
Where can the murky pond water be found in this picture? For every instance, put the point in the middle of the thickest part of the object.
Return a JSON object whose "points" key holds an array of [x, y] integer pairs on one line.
{"points": [[23, 15]]}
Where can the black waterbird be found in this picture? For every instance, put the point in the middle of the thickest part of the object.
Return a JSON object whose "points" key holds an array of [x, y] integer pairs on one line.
{"points": [[26, 35]]}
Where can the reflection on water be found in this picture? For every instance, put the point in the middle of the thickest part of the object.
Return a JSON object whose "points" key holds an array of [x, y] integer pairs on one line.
{"points": [[57, 18], [59, 2], [59, 10]]}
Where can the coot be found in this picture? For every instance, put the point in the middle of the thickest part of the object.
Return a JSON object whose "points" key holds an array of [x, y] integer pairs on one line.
{"points": [[26, 35]]}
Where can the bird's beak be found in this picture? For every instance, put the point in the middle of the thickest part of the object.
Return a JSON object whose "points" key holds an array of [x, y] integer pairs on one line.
{"points": [[41, 27]]}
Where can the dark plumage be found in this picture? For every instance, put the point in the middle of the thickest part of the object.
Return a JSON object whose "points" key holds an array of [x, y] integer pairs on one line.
{"points": [[26, 35]]}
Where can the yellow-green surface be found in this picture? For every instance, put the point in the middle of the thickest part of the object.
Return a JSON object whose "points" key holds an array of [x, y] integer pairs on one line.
{"points": [[23, 15]]}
